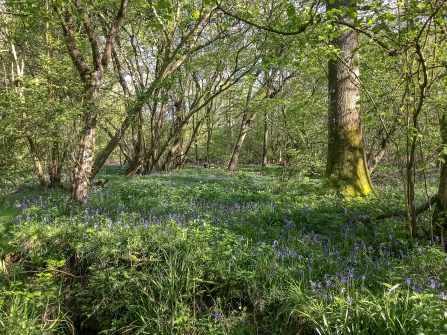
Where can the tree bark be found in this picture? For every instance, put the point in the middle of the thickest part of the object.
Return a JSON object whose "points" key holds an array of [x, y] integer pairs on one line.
{"points": [[266, 139], [209, 136], [92, 80], [245, 124], [57, 160], [346, 163], [18, 81], [440, 214]]}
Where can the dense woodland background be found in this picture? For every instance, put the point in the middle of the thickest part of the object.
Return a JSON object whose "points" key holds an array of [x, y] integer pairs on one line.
{"points": [[328, 117], [157, 84]]}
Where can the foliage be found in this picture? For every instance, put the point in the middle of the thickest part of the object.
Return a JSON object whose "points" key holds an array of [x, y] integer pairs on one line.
{"points": [[200, 251]]}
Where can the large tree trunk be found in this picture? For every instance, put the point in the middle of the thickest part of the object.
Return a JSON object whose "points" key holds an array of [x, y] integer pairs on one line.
{"points": [[346, 161], [92, 79]]}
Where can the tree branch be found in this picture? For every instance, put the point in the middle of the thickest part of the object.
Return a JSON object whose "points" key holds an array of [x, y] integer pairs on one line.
{"points": [[302, 28], [417, 211], [107, 54], [70, 41], [90, 30]]}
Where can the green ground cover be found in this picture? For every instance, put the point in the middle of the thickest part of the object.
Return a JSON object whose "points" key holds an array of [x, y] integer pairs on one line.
{"points": [[199, 251]]}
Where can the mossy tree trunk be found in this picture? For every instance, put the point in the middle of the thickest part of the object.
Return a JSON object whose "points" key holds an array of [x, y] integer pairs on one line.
{"points": [[346, 160]]}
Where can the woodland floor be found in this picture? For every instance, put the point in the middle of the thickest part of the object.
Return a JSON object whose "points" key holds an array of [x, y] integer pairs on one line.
{"points": [[201, 251]]}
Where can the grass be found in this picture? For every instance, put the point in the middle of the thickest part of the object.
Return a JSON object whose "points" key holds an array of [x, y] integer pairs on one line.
{"points": [[199, 251]]}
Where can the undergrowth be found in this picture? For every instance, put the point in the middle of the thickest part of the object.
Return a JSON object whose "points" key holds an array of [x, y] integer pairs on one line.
{"points": [[199, 251]]}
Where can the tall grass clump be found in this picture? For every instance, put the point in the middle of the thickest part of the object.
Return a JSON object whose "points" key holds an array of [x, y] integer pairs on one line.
{"points": [[199, 251]]}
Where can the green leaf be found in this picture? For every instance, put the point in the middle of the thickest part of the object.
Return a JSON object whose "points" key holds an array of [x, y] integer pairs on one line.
{"points": [[162, 4], [422, 6], [387, 285], [196, 14], [390, 17], [352, 13], [155, 26], [291, 11], [4, 243]]}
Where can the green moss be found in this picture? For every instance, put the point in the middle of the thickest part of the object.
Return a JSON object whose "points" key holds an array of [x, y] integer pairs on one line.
{"points": [[349, 171]]}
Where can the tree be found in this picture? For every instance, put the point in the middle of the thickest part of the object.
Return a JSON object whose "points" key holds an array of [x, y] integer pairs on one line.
{"points": [[91, 77], [18, 74], [346, 160]]}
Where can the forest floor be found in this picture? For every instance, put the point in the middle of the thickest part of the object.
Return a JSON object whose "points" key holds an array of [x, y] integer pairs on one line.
{"points": [[201, 251]]}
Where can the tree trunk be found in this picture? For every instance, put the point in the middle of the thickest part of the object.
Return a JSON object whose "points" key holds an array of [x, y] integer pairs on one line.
{"points": [[192, 140], [56, 163], [111, 145], [84, 160], [245, 126], [134, 112], [229, 134], [439, 214], [36, 161], [196, 146], [266, 139], [91, 79], [346, 160], [209, 134]]}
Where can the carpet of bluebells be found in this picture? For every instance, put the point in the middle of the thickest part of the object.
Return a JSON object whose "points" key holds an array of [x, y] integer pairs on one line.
{"points": [[200, 251]]}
